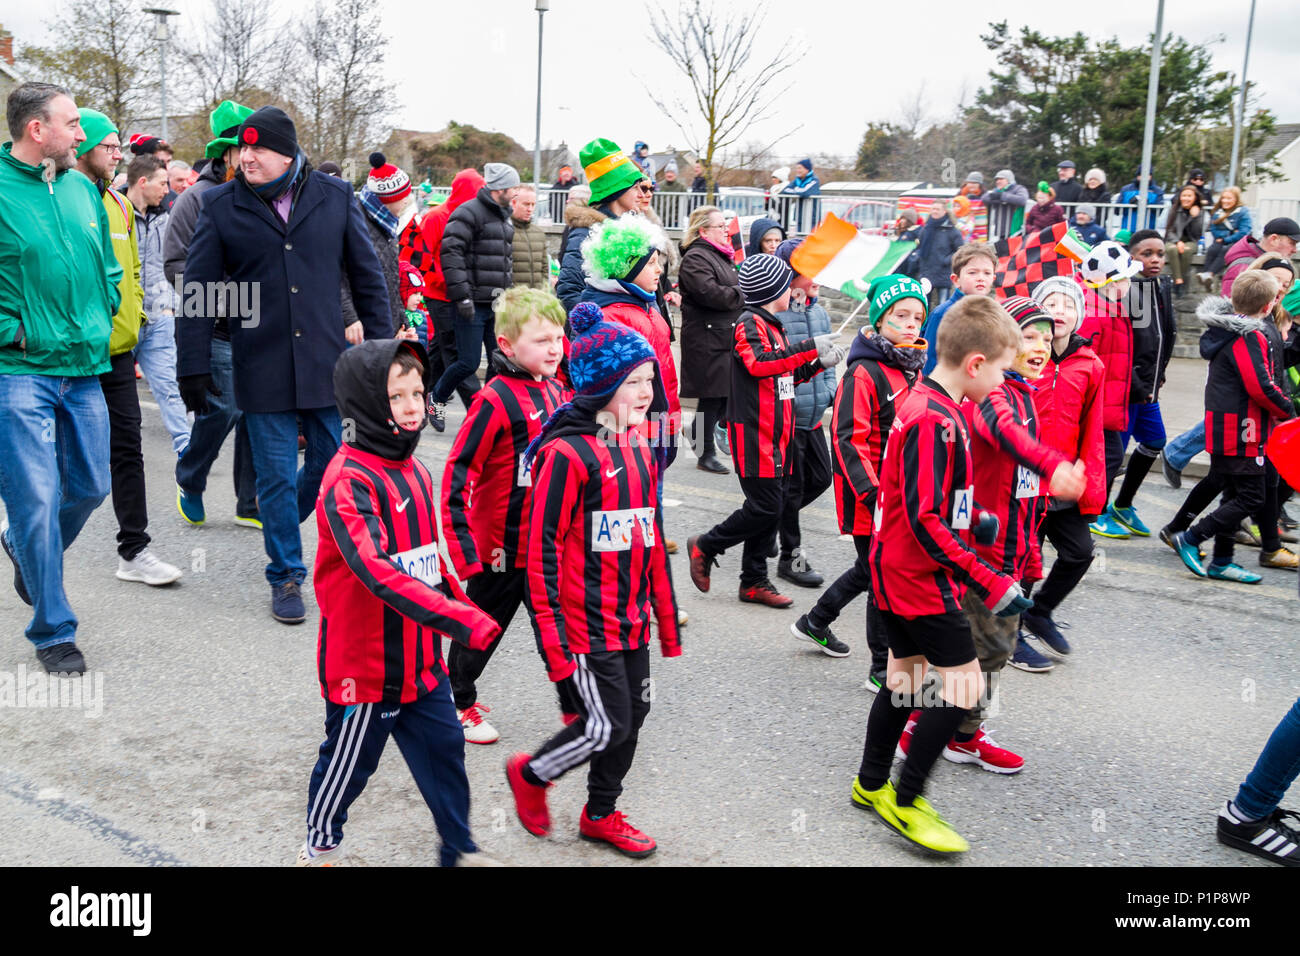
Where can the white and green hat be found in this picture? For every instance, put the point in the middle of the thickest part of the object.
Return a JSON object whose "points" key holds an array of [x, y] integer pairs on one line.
{"points": [[886, 290], [619, 248]]}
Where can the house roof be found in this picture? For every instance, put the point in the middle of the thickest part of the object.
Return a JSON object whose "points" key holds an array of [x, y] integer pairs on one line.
{"points": [[1283, 135]]}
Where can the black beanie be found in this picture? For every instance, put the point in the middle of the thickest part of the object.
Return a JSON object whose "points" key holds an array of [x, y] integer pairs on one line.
{"points": [[270, 127]]}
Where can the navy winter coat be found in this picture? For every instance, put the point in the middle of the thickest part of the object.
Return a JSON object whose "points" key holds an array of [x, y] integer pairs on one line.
{"points": [[284, 351], [939, 240]]}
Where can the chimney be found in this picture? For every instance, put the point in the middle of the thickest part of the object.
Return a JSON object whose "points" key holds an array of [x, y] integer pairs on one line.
{"points": [[6, 45]]}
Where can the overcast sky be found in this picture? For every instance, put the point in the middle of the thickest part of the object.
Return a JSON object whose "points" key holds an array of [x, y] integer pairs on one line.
{"points": [[478, 63]]}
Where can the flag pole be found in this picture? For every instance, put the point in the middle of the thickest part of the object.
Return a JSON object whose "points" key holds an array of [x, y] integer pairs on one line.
{"points": [[850, 318]]}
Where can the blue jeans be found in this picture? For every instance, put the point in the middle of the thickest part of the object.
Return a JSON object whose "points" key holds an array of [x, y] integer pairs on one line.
{"points": [[53, 474], [1275, 770], [286, 494], [209, 433], [472, 336], [1186, 446], [156, 353]]}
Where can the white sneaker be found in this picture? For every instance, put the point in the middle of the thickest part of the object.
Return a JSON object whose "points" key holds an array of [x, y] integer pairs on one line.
{"points": [[144, 567], [682, 618], [478, 858], [310, 856], [477, 729]]}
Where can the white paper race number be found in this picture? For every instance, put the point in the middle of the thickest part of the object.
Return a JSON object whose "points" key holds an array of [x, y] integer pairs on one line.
{"points": [[613, 530], [1026, 482], [785, 388], [961, 506], [524, 476], [422, 563]]}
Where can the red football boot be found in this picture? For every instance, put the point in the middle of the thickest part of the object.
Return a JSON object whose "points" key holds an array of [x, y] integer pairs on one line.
{"points": [[617, 832], [530, 800]]}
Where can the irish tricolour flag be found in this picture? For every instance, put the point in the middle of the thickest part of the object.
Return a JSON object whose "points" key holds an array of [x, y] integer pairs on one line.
{"points": [[837, 255]]}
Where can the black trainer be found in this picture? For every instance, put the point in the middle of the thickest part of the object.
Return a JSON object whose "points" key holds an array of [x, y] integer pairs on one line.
{"points": [[795, 569], [20, 586], [61, 659], [286, 603], [438, 416], [876, 679], [1172, 475], [1044, 628], [1276, 837], [831, 645]]}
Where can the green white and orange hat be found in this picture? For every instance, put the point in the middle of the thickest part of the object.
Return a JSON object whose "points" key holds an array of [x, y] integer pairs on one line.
{"points": [[608, 170]]}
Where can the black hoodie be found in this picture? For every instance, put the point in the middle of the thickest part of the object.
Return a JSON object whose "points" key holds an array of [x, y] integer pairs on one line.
{"points": [[361, 391]]}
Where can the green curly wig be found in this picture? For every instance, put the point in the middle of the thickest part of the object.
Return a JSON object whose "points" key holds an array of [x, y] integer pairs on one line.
{"points": [[616, 245]]}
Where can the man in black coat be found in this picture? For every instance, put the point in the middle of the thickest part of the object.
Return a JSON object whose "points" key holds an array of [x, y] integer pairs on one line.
{"points": [[477, 262], [269, 249], [1067, 186]]}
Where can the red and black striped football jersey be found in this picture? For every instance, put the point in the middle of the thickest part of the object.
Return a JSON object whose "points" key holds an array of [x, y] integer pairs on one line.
{"points": [[1012, 472], [765, 368], [865, 403], [385, 604], [597, 568], [1242, 399], [485, 493], [921, 559]]}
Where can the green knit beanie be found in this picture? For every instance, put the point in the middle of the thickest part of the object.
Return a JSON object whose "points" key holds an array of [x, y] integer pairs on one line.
{"points": [[608, 170], [97, 128], [618, 248], [886, 290]]}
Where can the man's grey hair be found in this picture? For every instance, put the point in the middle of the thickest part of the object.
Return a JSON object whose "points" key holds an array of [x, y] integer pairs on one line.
{"points": [[526, 188], [178, 164], [30, 101]]}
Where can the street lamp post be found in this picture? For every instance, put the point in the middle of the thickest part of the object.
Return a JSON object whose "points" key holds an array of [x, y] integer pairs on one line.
{"points": [[1148, 135], [160, 34], [1241, 108], [541, 6]]}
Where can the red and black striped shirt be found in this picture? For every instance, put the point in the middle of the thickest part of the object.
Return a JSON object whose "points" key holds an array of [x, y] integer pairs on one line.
{"points": [[484, 491], [385, 605], [1242, 398], [765, 368], [865, 403], [597, 569], [1012, 472], [921, 557]]}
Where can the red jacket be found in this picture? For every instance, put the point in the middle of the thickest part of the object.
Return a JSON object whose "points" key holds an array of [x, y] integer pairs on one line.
{"points": [[485, 496], [1012, 469], [597, 569], [1107, 326], [463, 188], [1068, 399], [921, 557], [764, 370], [385, 605], [865, 402]]}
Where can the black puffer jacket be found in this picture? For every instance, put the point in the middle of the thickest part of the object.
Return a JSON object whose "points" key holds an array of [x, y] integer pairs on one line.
{"points": [[476, 250], [1150, 304]]}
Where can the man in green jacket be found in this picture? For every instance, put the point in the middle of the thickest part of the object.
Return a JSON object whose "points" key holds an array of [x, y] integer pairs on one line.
{"points": [[97, 159], [58, 292]]}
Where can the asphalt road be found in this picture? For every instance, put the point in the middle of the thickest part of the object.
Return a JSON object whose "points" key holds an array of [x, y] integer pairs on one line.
{"points": [[197, 746]]}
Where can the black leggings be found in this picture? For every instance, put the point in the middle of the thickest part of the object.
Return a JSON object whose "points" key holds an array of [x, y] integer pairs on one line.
{"points": [[1067, 529], [708, 412]]}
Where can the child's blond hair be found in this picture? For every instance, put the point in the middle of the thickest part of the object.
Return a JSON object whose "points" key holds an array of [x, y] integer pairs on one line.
{"points": [[515, 306], [1253, 292], [975, 324]]}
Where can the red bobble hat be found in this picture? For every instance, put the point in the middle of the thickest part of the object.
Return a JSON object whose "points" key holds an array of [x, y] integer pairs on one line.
{"points": [[387, 181]]}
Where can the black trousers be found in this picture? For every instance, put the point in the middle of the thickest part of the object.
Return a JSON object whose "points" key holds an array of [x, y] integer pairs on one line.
{"points": [[754, 524], [614, 693], [856, 580], [443, 353], [125, 458], [810, 476], [1243, 495], [1114, 442], [708, 412], [1067, 529]]}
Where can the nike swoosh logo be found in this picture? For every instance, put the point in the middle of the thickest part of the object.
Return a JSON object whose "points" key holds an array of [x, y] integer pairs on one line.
{"points": [[611, 474], [896, 394], [537, 414], [1029, 419], [402, 506]]}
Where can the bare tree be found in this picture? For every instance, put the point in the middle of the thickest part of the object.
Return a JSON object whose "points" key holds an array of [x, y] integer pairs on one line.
{"points": [[732, 89], [104, 54], [236, 51]]}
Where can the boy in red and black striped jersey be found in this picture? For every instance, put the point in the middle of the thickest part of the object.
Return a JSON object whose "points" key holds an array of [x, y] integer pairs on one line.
{"points": [[385, 607], [764, 369], [884, 363], [597, 574], [1009, 461], [485, 490], [1242, 404], [922, 565]]}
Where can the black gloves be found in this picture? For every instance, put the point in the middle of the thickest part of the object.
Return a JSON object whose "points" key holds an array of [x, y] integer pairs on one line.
{"points": [[465, 309], [195, 390]]}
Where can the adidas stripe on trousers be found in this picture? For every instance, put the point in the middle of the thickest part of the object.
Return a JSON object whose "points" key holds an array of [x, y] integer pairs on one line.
{"points": [[613, 692], [432, 743]]}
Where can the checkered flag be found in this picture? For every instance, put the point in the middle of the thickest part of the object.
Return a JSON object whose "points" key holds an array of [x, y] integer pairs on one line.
{"points": [[1025, 261]]}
